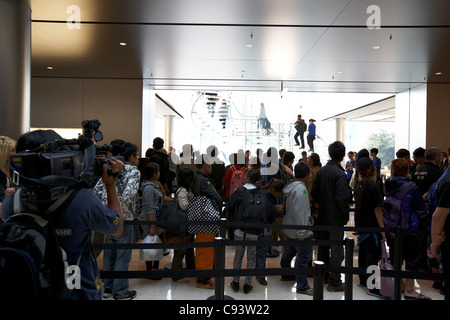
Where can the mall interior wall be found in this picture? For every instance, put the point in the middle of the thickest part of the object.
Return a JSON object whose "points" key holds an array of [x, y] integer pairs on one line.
{"points": [[66, 102], [438, 116]]}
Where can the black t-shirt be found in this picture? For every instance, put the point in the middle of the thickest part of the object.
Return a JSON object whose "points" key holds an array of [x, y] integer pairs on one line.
{"points": [[425, 175], [367, 198]]}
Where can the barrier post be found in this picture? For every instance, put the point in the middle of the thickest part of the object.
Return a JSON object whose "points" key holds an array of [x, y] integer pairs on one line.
{"points": [[398, 242], [219, 264], [318, 280], [349, 248]]}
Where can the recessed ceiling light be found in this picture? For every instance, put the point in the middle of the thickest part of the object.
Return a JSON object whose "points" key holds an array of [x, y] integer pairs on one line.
{"points": [[123, 43], [340, 72], [49, 68], [438, 73], [147, 69], [376, 47], [249, 45]]}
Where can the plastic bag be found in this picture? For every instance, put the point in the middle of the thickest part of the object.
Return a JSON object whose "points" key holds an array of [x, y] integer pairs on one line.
{"points": [[151, 254]]}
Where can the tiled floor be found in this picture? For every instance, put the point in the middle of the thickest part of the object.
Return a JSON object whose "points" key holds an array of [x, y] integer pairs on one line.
{"points": [[166, 289]]}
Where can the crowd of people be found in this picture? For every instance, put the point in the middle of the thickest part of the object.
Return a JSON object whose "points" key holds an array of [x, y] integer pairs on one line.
{"points": [[300, 193]]}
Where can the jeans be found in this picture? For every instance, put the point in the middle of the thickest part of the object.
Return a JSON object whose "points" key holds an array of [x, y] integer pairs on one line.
{"points": [[118, 260], [261, 254], [311, 139], [299, 134], [303, 255]]}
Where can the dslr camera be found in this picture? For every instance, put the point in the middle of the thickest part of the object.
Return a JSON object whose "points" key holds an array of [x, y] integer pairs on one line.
{"points": [[49, 171]]}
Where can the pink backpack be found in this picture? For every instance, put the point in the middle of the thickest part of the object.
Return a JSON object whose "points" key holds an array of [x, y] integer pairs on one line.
{"points": [[237, 178]]}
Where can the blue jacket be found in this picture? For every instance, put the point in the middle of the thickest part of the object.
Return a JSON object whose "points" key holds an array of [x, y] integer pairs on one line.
{"points": [[312, 129]]}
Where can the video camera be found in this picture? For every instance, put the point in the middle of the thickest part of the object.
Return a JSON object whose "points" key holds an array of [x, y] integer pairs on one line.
{"points": [[59, 165]]}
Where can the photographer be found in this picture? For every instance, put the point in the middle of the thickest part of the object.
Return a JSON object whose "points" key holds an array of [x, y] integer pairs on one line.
{"points": [[75, 224], [127, 184]]}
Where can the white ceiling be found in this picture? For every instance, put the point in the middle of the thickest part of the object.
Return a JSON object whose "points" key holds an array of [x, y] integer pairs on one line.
{"points": [[378, 111], [301, 45]]}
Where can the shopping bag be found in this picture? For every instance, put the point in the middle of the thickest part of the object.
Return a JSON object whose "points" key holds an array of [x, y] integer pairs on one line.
{"points": [[386, 283], [152, 254], [202, 208]]}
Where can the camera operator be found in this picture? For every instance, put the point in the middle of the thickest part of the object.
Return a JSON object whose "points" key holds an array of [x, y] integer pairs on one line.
{"points": [[127, 184], [84, 214]]}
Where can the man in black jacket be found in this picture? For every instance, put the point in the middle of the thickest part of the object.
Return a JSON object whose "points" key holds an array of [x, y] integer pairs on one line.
{"points": [[332, 193], [300, 127]]}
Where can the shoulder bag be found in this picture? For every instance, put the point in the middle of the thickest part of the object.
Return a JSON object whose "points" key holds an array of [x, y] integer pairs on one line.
{"points": [[202, 208]]}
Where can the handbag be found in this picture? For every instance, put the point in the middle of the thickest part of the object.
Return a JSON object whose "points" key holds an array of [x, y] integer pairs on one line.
{"points": [[201, 208], [175, 217], [153, 254], [386, 283]]}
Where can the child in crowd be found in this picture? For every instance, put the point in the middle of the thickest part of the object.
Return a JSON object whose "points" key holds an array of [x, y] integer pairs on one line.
{"points": [[238, 206], [298, 212], [274, 194]]}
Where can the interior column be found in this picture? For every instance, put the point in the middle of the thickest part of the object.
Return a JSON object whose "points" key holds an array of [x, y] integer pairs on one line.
{"points": [[15, 57]]}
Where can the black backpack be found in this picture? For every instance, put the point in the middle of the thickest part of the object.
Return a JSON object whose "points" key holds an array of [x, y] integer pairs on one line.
{"points": [[252, 209], [32, 264]]}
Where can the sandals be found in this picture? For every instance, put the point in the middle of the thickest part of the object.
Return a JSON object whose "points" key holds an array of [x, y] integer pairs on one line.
{"points": [[309, 292], [418, 297], [206, 285]]}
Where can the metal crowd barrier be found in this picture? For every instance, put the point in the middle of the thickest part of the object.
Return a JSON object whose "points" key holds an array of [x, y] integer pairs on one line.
{"points": [[318, 269]]}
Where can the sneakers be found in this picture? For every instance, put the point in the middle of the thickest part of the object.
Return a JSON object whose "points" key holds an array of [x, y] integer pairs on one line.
{"points": [[290, 277], [262, 281], [129, 295], [107, 293], [235, 286], [247, 288]]}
